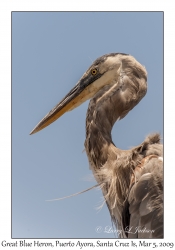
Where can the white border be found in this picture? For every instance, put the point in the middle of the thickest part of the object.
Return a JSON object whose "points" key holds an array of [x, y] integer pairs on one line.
{"points": [[5, 92]]}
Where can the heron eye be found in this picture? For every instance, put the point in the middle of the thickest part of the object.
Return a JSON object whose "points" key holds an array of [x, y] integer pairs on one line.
{"points": [[94, 72]]}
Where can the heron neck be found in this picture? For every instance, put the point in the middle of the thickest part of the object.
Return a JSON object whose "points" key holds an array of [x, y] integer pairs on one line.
{"points": [[111, 103], [99, 122]]}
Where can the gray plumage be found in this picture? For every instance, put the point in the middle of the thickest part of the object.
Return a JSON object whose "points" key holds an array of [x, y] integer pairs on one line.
{"points": [[131, 180]]}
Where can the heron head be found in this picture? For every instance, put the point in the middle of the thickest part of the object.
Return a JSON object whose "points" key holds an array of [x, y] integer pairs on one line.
{"points": [[104, 71]]}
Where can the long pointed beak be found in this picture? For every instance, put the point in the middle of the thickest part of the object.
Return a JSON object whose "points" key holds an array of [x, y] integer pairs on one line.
{"points": [[82, 91], [86, 88]]}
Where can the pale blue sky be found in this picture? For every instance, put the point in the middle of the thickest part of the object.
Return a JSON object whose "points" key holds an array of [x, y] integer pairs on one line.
{"points": [[50, 52]]}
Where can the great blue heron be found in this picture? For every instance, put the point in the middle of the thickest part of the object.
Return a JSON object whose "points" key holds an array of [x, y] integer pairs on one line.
{"points": [[131, 180]]}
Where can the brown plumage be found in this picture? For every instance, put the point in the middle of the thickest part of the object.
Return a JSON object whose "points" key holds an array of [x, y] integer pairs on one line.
{"points": [[131, 180]]}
